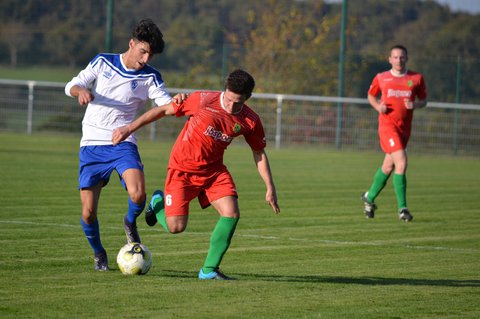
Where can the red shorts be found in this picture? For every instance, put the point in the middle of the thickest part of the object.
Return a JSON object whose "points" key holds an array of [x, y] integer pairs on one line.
{"points": [[391, 140], [182, 187]]}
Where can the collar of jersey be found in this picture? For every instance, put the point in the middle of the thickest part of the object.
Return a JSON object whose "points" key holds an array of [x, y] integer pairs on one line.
{"points": [[398, 75]]}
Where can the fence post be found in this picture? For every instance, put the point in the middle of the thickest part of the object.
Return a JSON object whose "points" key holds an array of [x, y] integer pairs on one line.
{"points": [[153, 125], [31, 85], [278, 130], [341, 75], [456, 111]]}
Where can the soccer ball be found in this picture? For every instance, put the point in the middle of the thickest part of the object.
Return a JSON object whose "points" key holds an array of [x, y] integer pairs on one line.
{"points": [[134, 259]]}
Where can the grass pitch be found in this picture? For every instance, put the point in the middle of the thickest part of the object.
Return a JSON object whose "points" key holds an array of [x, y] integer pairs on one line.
{"points": [[320, 258]]}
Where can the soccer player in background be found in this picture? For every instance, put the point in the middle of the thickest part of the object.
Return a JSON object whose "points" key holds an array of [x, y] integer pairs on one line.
{"points": [[401, 92], [196, 168], [114, 87]]}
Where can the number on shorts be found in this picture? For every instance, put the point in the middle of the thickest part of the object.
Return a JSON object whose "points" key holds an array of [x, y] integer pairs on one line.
{"points": [[168, 200]]}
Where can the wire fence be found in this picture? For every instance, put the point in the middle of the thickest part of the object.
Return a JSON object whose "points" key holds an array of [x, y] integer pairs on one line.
{"points": [[290, 120]]}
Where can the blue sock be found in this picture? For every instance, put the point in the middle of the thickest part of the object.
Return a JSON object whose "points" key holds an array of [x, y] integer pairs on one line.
{"points": [[92, 232], [134, 210]]}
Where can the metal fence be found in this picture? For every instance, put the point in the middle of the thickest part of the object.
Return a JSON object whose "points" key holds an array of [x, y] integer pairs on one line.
{"points": [[289, 120]]}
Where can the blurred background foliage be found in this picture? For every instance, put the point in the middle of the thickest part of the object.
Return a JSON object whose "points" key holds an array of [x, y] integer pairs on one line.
{"points": [[290, 47]]}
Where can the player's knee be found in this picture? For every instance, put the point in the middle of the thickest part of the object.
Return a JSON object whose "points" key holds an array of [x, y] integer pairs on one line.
{"points": [[88, 216], [401, 169], [138, 197], [176, 228]]}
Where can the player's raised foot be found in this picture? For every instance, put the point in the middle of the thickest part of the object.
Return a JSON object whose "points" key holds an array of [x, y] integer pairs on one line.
{"points": [[131, 231], [156, 204], [101, 261], [404, 214], [216, 274], [370, 207]]}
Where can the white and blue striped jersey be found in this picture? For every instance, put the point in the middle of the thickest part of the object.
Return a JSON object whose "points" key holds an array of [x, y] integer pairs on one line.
{"points": [[118, 95]]}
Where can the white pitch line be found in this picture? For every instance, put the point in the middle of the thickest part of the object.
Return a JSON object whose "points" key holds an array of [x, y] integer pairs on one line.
{"points": [[37, 223], [323, 241]]}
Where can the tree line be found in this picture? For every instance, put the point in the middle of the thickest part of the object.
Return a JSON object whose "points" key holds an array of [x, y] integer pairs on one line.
{"points": [[291, 46]]}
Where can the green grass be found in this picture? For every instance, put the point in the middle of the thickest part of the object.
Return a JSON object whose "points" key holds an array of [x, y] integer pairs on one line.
{"points": [[38, 73], [320, 258]]}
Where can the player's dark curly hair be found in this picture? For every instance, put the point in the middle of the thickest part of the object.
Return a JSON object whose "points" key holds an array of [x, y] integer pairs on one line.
{"points": [[240, 82], [147, 31]]}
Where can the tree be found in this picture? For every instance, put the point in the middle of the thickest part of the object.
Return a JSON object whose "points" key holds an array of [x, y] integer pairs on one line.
{"points": [[292, 48], [75, 33], [17, 36]]}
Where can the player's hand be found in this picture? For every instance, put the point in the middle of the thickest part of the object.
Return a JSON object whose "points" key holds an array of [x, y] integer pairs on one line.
{"points": [[271, 198], [120, 134], [179, 98], [84, 96], [382, 108], [408, 104]]}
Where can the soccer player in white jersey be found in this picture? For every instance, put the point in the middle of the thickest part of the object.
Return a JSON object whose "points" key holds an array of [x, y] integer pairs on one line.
{"points": [[114, 87]]}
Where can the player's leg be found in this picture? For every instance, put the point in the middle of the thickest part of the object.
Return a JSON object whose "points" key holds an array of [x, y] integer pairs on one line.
{"points": [[130, 168], [400, 183], [380, 178], [89, 198], [223, 196], [392, 143], [94, 173], [135, 184], [379, 181], [156, 208], [221, 237], [155, 212], [171, 208]]}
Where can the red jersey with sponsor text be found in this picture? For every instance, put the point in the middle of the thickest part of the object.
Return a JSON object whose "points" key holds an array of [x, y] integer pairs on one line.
{"points": [[394, 90], [209, 130]]}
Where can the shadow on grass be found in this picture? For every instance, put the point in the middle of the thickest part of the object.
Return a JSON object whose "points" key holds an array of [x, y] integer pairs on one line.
{"points": [[368, 281]]}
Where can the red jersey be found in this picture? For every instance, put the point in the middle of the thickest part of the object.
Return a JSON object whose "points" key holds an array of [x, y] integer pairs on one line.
{"points": [[393, 90], [209, 130]]}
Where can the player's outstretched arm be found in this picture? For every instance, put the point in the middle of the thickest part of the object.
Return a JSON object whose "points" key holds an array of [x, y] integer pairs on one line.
{"points": [[263, 166], [156, 113]]}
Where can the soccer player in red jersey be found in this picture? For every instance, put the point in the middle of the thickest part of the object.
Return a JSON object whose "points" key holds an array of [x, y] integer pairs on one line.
{"points": [[196, 168], [402, 91]]}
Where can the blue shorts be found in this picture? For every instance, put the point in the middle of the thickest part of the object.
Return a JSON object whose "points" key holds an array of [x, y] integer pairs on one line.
{"points": [[98, 162]]}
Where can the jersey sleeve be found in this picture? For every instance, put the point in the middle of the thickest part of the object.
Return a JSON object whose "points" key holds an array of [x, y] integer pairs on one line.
{"points": [[85, 78], [189, 106], [256, 139], [158, 93], [374, 89], [422, 89]]}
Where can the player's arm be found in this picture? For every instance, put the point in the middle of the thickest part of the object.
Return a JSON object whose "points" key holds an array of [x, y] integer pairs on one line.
{"points": [[418, 104], [83, 95], [420, 99], [80, 86], [379, 106], [151, 115], [156, 113], [263, 166]]}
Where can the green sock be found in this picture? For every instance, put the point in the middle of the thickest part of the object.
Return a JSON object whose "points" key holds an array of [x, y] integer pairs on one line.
{"points": [[162, 219], [400, 186], [379, 182], [219, 242]]}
